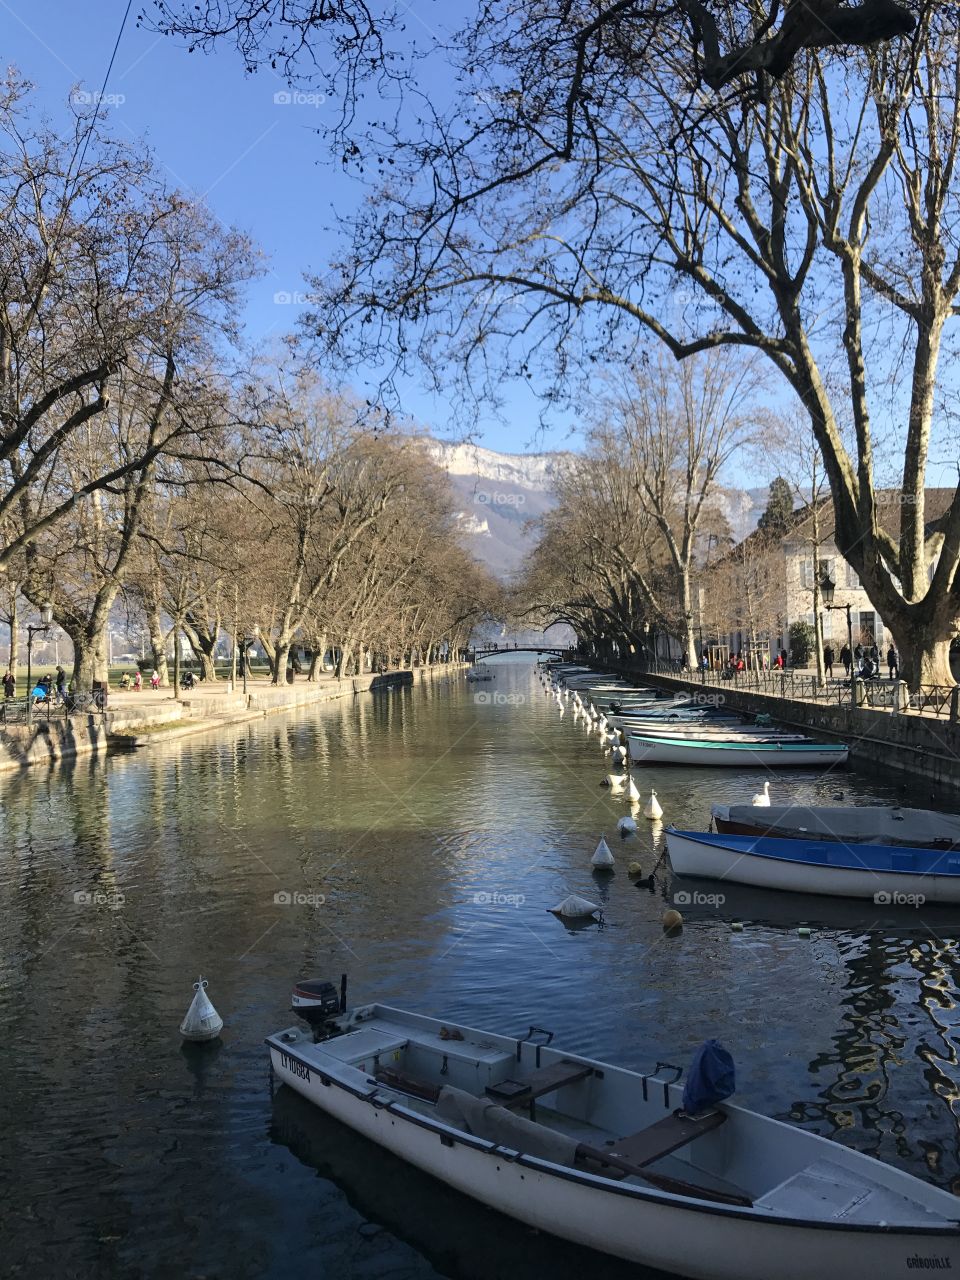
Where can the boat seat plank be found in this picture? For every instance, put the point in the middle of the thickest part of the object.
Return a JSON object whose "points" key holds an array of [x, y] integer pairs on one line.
{"points": [[406, 1083], [657, 1140], [518, 1093]]}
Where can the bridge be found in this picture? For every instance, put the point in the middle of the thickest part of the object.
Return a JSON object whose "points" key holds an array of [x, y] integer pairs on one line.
{"points": [[492, 651]]}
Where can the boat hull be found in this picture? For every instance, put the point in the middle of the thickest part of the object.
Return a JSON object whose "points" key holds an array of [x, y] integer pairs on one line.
{"points": [[778, 755], [710, 861], [883, 824], [683, 1239]]}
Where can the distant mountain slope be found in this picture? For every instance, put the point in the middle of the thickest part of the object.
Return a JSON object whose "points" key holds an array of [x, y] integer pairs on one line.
{"points": [[499, 493]]}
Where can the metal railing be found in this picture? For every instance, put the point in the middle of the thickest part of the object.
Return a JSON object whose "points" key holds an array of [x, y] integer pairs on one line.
{"points": [[878, 694], [18, 710]]}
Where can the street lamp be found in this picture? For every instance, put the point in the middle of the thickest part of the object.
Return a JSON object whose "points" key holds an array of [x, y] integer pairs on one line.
{"points": [[46, 617], [246, 646], [827, 589]]}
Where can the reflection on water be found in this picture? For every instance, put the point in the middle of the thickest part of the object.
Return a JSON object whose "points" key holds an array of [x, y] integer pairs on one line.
{"points": [[414, 839]]}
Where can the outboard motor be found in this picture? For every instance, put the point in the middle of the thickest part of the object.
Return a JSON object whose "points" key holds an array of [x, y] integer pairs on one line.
{"points": [[318, 1002]]}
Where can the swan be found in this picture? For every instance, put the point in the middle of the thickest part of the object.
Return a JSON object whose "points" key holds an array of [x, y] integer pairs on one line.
{"points": [[763, 797]]}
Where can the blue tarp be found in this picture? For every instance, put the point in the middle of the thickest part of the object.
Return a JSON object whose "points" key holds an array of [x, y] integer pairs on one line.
{"points": [[711, 1078]]}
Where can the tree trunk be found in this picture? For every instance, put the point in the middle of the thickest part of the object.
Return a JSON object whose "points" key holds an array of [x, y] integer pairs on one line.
{"points": [[14, 630], [280, 662], [924, 660], [158, 644], [203, 642]]}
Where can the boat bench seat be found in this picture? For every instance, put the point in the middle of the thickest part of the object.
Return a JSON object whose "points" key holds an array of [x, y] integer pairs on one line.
{"points": [[633, 1153], [520, 1093], [406, 1083]]}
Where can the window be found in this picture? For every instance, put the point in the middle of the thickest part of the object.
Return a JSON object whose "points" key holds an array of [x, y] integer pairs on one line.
{"points": [[806, 573], [853, 582], [868, 625]]}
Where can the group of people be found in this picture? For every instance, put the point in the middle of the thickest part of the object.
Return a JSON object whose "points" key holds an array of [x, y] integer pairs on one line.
{"points": [[864, 660], [136, 683]]}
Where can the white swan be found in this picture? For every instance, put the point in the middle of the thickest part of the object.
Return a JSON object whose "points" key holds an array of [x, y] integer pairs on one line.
{"points": [[763, 797]]}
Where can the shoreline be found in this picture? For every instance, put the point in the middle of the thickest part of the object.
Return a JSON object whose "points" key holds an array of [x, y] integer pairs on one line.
{"points": [[138, 725]]}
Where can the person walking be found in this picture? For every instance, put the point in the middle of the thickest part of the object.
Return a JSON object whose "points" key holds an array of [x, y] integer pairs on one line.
{"points": [[858, 654], [846, 659], [61, 684], [893, 662], [155, 679], [9, 684], [828, 661]]}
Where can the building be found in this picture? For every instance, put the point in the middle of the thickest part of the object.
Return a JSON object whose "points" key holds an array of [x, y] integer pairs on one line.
{"points": [[766, 583]]}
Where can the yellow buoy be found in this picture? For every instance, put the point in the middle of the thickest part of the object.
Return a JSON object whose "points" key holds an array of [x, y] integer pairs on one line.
{"points": [[672, 920]]}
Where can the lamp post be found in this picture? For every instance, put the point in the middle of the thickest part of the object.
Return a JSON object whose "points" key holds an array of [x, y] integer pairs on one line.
{"points": [[246, 646], [827, 589], [46, 617]]}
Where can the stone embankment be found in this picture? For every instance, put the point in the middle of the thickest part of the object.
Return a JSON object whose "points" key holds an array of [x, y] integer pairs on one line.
{"points": [[148, 718]]}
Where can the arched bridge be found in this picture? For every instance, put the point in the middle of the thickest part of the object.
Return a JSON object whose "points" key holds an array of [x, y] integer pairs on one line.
{"points": [[491, 651]]}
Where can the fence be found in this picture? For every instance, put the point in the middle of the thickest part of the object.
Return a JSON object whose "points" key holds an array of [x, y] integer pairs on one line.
{"points": [[17, 710], [937, 700]]}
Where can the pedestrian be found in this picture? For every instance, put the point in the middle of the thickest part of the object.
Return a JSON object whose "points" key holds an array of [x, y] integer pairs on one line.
{"points": [[61, 684], [778, 661], [846, 659], [828, 661], [155, 679], [893, 662], [137, 682], [873, 653], [125, 680], [858, 655], [783, 655], [9, 684], [704, 660]]}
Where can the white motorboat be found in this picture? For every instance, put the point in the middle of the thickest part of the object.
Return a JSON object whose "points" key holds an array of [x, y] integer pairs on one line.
{"points": [[606, 1157]]}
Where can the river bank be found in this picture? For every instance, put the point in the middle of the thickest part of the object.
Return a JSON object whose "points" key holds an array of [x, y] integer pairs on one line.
{"points": [[151, 717]]}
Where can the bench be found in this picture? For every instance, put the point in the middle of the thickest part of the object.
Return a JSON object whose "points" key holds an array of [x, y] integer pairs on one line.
{"points": [[523, 1093], [630, 1156]]}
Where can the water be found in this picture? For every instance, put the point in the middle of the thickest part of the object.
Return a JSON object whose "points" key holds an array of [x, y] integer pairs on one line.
{"points": [[437, 830]]}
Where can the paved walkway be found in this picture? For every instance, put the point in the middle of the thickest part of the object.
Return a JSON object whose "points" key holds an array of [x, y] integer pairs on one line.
{"points": [[203, 689]]}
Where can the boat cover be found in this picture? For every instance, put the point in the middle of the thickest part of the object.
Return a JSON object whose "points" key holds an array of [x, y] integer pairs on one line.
{"points": [[711, 1078], [485, 1119], [871, 824]]}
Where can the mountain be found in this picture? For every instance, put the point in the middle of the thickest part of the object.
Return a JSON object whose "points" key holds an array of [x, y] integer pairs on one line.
{"points": [[501, 494]]}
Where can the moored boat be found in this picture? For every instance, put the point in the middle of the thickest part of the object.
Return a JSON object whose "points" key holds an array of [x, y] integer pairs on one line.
{"points": [[745, 755], [874, 823], [887, 874], [608, 1158]]}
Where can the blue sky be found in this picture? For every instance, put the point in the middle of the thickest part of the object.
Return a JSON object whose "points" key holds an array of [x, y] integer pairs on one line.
{"points": [[221, 135]]}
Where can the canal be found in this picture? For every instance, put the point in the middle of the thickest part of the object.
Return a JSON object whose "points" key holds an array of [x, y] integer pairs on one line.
{"points": [[415, 840]]}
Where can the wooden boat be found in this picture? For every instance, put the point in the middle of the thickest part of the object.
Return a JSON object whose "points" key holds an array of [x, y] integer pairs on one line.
{"points": [[724, 732], [475, 674], [745, 755], [604, 1156], [887, 874], [873, 824]]}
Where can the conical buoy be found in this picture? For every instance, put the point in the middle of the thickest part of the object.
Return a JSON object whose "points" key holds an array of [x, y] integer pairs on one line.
{"points": [[627, 827], [653, 810], [574, 908], [615, 781], [632, 791], [202, 1022], [602, 859]]}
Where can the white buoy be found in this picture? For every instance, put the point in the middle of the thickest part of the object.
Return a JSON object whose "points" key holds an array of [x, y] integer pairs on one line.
{"points": [[627, 826], [562, 709], [574, 908], [602, 859], [620, 754], [202, 1022], [762, 798], [653, 810], [633, 792]]}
